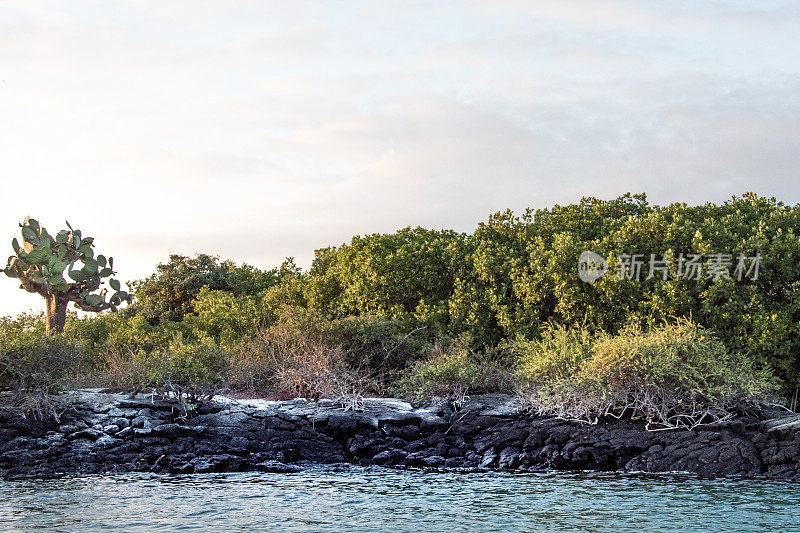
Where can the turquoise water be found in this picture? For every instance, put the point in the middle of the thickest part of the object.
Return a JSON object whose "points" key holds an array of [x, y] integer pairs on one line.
{"points": [[376, 499]]}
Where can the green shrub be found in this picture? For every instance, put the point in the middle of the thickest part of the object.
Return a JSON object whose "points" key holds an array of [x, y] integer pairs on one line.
{"points": [[225, 316], [515, 274], [92, 333], [374, 344], [32, 361], [113, 332], [558, 355], [34, 365], [407, 275], [452, 372], [188, 371], [674, 375], [169, 294], [129, 370], [195, 369]]}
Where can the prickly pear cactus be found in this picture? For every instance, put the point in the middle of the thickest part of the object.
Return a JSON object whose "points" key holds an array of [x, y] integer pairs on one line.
{"points": [[64, 268]]}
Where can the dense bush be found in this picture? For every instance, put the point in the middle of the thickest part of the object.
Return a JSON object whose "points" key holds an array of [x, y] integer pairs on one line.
{"points": [[169, 294], [454, 371], [674, 375], [406, 276], [517, 275], [34, 365], [227, 317], [374, 344], [109, 331], [525, 273], [185, 371], [296, 357], [193, 370], [381, 312], [557, 355], [33, 361]]}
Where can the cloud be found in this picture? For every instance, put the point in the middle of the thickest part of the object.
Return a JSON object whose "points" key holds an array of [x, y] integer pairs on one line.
{"points": [[263, 130]]}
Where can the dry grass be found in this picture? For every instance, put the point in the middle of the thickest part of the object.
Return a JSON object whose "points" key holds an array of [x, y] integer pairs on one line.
{"points": [[288, 362]]}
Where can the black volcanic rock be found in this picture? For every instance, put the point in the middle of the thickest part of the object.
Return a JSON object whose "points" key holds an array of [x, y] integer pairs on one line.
{"points": [[113, 433]]}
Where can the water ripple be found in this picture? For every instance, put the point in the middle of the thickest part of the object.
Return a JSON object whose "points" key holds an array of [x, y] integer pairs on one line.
{"points": [[377, 499]]}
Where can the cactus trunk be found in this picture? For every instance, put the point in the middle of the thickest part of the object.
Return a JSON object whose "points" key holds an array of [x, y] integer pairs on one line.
{"points": [[41, 262], [56, 313]]}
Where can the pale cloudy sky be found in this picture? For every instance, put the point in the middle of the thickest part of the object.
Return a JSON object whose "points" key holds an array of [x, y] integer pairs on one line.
{"points": [[259, 130]]}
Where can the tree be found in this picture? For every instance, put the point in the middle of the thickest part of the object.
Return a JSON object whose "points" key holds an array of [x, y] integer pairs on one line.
{"points": [[406, 275], [169, 294], [41, 261]]}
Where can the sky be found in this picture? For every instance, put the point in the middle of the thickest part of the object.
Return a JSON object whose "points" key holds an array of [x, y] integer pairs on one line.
{"points": [[260, 130]]}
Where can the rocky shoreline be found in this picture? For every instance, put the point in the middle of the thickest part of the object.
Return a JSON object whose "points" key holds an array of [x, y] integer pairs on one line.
{"points": [[108, 433]]}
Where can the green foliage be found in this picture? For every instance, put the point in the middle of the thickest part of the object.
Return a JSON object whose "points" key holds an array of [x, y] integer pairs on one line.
{"points": [[169, 294], [43, 262], [31, 362], [517, 275], [407, 276], [112, 332], [372, 343], [185, 370], [225, 316], [379, 305], [195, 368], [673, 375], [452, 372], [524, 273], [514, 277], [557, 355]]}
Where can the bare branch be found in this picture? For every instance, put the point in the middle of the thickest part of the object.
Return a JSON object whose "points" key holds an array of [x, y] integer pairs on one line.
{"points": [[402, 341]]}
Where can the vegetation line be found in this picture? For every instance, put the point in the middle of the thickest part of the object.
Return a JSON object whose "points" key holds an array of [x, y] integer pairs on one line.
{"points": [[501, 309]]}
